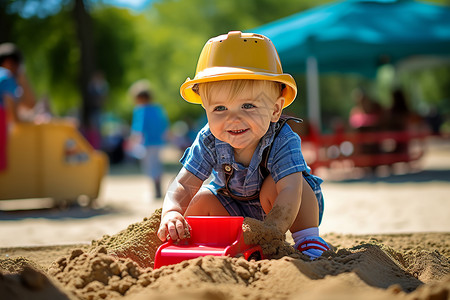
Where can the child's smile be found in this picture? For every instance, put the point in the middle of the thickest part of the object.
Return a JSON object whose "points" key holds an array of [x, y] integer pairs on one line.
{"points": [[238, 132]]}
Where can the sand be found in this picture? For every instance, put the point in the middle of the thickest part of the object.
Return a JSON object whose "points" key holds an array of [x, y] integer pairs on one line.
{"points": [[390, 239], [400, 266]]}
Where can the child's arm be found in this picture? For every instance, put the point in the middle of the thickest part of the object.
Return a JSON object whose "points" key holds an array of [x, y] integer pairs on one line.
{"points": [[179, 195], [28, 98], [287, 203], [11, 108]]}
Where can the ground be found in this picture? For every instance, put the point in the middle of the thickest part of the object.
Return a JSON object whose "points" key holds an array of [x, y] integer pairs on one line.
{"points": [[390, 235]]}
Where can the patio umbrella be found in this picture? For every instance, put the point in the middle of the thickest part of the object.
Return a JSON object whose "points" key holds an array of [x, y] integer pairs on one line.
{"points": [[357, 36]]}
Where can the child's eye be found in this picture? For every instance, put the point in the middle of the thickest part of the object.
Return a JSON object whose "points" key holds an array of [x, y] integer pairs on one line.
{"points": [[220, 108], [248, 106]]}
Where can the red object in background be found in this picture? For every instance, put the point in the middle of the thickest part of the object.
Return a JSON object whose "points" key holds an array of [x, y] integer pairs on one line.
{"points": [[363, 149], [218, 236]]}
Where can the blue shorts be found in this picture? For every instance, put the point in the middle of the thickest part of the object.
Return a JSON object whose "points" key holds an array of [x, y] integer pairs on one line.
{"points": [[253, 208]]}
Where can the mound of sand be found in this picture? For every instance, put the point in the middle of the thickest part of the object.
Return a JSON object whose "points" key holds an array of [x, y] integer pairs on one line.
{"points": [[415, 266], [138, 242]]}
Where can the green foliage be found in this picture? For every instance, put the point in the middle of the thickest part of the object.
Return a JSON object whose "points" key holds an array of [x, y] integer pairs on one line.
{"points": [[51, 56], [115, 42]]}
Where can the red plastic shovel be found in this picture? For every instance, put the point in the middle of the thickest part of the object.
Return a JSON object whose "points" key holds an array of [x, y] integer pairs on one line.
{"points": [[218, 236]]}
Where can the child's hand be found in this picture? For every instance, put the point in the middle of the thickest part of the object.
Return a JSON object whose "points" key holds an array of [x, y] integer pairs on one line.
{"points": [[173, 225]]}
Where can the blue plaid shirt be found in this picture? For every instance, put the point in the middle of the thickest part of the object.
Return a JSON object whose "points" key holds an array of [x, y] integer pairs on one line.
{"points": [[207, 155]]}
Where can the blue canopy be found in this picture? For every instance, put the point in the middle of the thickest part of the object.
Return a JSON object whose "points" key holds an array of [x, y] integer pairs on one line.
{"points": [[359, 35]]}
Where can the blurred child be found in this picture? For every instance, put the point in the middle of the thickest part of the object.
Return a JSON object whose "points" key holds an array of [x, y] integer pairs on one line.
{"points": [[14, 91], [255, 160], [148, 131], [366, 115]]}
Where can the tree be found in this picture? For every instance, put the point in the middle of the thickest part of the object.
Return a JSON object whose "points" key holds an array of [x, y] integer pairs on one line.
{"points": [[83, 24]]}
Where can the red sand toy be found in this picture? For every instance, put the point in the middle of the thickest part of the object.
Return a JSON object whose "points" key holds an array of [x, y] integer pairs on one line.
{"points": [[218, 236]]}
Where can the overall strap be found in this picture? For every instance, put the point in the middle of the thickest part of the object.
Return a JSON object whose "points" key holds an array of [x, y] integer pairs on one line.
{"points": [[265, 155], [228, 169]]}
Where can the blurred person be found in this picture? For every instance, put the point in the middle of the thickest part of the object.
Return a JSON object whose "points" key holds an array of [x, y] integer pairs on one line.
{"points": [[15, 92], [114, 133], [365, 116], [434, 120], [255, 160], [98, 89], [399, 112], [399, 117], [148, 132]]}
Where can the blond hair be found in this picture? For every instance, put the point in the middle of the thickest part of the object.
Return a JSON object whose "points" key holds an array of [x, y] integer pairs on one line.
{"points": [[233, 88]]}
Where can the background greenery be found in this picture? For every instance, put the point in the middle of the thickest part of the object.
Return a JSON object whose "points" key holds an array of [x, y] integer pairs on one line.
{"points": [[163, 43]]}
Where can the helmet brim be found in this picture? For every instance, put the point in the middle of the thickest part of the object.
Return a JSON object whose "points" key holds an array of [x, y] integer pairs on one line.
{"points": [[227, 73]]}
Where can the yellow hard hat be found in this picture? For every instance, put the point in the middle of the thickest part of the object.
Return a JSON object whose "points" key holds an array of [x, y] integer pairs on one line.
{"points": [[238, 55]]}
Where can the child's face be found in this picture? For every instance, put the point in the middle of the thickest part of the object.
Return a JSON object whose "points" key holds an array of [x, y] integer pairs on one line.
{"points": [[140, 100], [12, 66], [243, 120]]}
